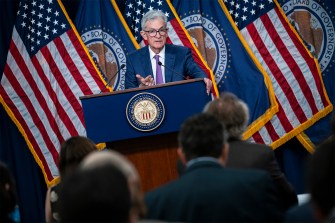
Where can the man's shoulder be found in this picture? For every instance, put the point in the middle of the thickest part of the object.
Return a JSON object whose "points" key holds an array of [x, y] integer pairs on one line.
{"points": [[139, 52], [239, 179], [246, 174], [249, 155], [160, 191], [249, 146], [220, 175], [176, 48]]}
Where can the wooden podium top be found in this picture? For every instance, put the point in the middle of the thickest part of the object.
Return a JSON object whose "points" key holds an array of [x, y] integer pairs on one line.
{"points": [[125, 91]]}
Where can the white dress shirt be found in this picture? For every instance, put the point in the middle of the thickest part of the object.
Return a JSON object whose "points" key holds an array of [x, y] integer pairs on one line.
{"points": [[153, 62]]}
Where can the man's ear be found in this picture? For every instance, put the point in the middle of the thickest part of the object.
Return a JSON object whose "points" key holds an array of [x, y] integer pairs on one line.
{"points": [[182, 156], [225, 152], [144, 35]]}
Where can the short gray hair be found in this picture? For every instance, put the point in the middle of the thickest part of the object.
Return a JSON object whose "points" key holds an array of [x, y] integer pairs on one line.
{"points": [[152, 15], [232, 111], [100, 158]]}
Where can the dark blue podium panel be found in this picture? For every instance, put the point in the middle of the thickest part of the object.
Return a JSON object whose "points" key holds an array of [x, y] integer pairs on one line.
{"points": [[106, 114]]}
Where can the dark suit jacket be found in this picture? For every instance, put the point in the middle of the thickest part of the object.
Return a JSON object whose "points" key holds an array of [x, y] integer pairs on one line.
{"points": [[208, 192], [303, 213], [243, 154], [178, 63]]}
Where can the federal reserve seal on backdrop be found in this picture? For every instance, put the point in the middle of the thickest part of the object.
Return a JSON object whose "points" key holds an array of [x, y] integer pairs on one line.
{"points": [[105, 49], [312, 17], [208, 36], [145, 111]]}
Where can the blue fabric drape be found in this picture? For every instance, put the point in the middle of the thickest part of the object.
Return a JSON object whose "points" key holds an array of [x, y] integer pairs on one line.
{"points": [[31, 188]]}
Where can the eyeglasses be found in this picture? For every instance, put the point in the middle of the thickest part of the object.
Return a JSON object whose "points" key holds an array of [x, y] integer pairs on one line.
{"points": [[153, 32]]}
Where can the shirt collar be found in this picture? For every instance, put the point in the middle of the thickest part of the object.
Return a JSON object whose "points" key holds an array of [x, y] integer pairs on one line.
{"points": [[201, 159], [161, 53]]}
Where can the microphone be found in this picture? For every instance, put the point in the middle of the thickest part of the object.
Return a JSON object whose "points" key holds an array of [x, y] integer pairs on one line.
{"points": [[173, 71], [110, 79]]}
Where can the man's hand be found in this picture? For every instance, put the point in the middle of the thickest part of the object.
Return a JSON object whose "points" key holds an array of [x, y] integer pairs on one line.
{"points": [[147, 81], [209, 85]]}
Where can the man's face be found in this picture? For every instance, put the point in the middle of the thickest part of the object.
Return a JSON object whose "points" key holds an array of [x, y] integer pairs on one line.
{"points": [[155, 39]]}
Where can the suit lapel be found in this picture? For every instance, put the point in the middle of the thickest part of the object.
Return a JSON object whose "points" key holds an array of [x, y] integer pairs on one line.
{"points": [[146, 62], [169, 62]]}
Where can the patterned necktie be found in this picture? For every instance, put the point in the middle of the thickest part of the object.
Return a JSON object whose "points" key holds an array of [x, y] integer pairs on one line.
{"points": [[159, 76]]}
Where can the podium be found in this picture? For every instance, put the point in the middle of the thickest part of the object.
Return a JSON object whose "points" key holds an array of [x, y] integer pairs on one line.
{"points": [[142, 123]]}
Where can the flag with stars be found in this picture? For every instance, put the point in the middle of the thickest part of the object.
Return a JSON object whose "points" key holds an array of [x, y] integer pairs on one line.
{"points": [[134, 11], [314, 20], [107, 37], [293, 71], [223, 48], [47, 69]]}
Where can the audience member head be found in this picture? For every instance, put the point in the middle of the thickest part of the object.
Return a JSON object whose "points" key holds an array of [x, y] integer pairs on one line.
{"points": [[100, 194], [202, 135], [72, 152], [154, 29], [321, 178], [106, 157], [232, 111], [7, 193]]}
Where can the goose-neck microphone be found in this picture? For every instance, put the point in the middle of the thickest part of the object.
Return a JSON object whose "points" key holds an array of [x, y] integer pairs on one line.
{"points": [[110, 79], [173, 71]]}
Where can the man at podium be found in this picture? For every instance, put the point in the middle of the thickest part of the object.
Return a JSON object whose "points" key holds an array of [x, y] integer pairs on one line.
{"points": [[159, 62]]}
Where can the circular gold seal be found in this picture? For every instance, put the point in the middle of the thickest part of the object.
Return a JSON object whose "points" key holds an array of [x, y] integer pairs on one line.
{"points": [[145, 111]]}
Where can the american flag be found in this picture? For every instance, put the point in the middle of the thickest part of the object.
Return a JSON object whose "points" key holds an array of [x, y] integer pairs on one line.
{"points": [[314, 20], [293, 71], [47, 69], [134, 11], [223, 49], [114, 41]]}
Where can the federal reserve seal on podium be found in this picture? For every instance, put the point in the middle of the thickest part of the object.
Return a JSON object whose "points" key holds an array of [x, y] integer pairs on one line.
{"points": [[145, 111]]}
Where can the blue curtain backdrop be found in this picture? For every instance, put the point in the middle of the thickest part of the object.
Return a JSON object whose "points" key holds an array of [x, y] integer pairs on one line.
{"points": [[14, 152]]}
